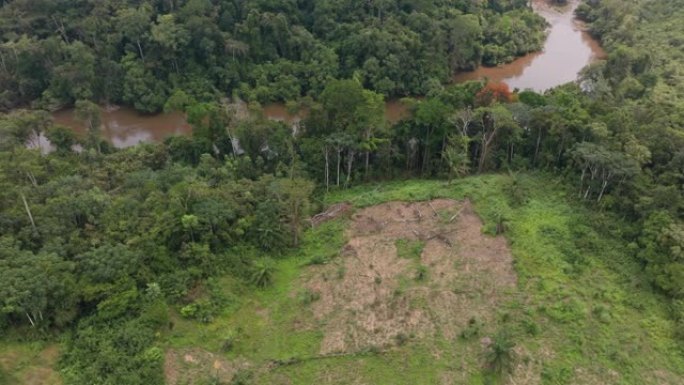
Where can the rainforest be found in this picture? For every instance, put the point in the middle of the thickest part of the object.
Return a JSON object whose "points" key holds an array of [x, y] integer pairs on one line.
{"points": [[203, 192]]}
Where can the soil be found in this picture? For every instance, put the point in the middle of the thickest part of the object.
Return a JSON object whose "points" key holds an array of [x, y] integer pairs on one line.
{"points": [[379, 301], [332, 212], [194, 366]]}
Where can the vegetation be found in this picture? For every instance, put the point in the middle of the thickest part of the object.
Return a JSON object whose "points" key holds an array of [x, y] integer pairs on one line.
{"points": [[121, 256], [141, 53], [583, 309]]}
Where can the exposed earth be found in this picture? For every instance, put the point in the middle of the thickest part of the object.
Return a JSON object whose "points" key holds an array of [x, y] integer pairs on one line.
{"points": [[408, 271]]}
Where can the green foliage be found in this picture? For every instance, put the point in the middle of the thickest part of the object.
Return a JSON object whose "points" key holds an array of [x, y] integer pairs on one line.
{"points": [[421, 273], [410, 249], [307, 296], [473, 329], [120, 354], [499, 356], [143, 54], [262, 273], [98, 242]]}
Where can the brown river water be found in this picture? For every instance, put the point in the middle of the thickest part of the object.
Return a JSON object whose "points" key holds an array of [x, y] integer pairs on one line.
{"points": [[567, 50]]}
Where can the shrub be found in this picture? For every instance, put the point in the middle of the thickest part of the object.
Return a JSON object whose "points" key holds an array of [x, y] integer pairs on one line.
{"points": [[421, 272], [500, 354], [472, 330], [262, 272], [308, 296], [531, 327], [317, 260]]}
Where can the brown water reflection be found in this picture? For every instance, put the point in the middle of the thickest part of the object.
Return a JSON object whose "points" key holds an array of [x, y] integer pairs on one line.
{"points": [[279, 112], [124, 127], [568, 49]]}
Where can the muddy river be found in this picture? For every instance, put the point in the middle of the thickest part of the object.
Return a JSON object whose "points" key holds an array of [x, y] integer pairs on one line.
{"points": [[567, 50]]}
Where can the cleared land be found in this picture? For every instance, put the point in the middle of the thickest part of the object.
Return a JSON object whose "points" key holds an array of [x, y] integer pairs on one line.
{"points": [[372, 298], [411, 286]]}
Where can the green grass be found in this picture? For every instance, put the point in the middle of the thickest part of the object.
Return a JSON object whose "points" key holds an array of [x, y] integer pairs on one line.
{"points": [[409, 249], [29, 363], [261, 324]]}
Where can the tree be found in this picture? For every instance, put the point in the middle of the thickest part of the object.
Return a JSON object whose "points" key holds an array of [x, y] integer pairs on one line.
{"points": [[432, 119], [63, 138], [171, 36], [133, 23], [492, 120], [493, 93], [457, 155], [74, 78], [36, 288], [90, 115], [141, 88], [600, 168], [294, 195]]}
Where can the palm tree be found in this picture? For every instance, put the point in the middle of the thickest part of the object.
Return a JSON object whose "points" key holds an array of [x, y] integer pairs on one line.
{"points": [[500, 355], [263, 272]]}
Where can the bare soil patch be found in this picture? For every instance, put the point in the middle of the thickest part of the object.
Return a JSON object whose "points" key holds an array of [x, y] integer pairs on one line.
{"points": [[193, 366], [330, 213], [382, 299]]}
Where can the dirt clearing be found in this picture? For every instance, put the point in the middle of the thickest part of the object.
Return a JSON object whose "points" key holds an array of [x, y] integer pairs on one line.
{"points": [[410, 270], [193, 366]]}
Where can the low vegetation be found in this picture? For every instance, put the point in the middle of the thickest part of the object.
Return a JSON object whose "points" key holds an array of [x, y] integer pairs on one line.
{"points": [[577, 314]]}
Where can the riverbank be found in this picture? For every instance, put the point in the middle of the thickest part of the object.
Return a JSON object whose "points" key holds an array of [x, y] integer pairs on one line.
{"points": [[567, 50]]}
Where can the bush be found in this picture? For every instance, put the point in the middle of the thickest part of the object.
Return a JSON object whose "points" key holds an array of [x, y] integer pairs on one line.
{"points": [[308, 296], [262, 272], [500, 354], [472, 330], [532, 328], [317, 260], [421, 272], [229, 342]]}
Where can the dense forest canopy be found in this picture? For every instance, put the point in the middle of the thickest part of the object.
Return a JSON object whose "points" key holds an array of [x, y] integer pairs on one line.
{"points": [[139, 52], [99, 243]]}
